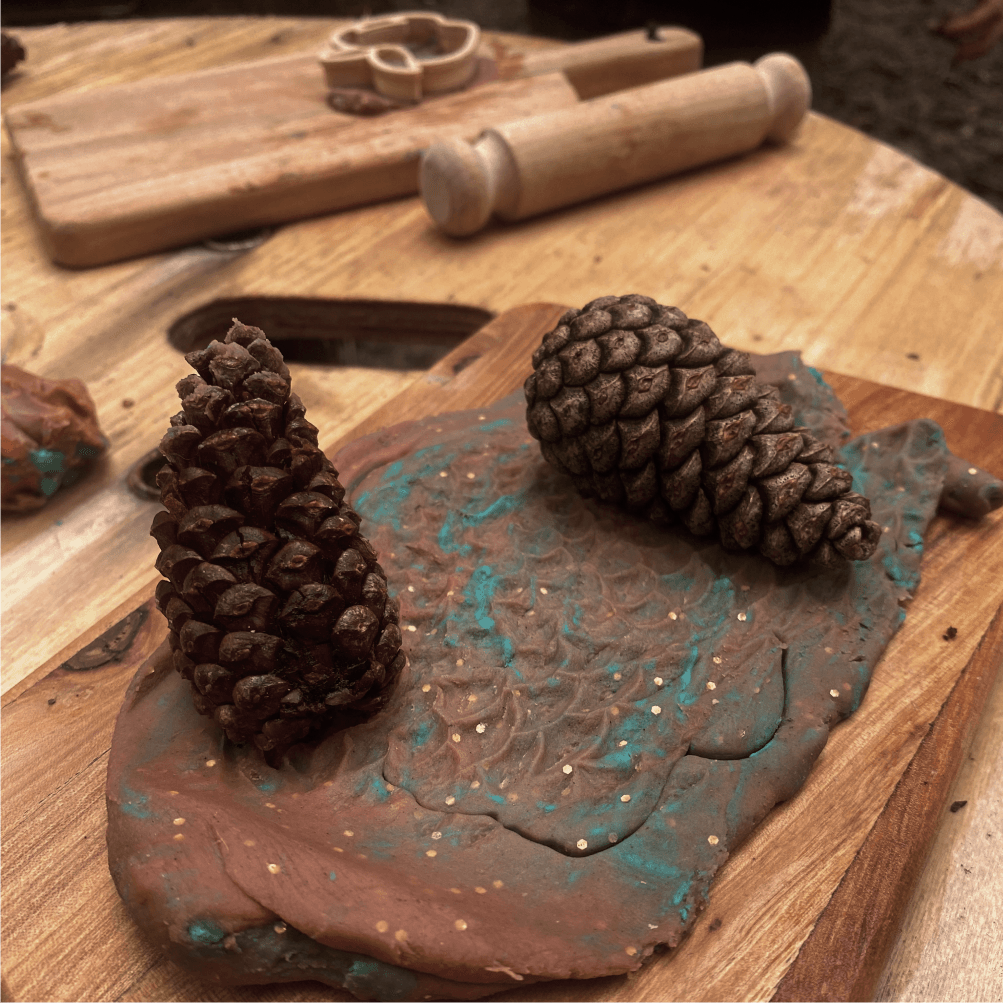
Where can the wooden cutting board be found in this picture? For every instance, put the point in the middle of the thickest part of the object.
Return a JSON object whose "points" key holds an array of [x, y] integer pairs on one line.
{"points": [[115, 172], [774, 927]]}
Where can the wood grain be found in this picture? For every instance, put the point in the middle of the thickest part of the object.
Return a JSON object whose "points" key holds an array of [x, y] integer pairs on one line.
{"points": [[844, 957], [951, 943], [870, 264]]}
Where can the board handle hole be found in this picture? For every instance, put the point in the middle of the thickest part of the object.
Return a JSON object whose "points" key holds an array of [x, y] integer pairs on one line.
{"points": [[382, 334]]}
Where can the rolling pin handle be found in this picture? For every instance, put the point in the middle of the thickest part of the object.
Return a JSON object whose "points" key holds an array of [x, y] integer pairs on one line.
{"points": [[463, 184], [788, 90]]}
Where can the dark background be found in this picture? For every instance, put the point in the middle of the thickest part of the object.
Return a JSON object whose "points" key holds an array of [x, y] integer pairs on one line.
{"points": [[874, 64]]}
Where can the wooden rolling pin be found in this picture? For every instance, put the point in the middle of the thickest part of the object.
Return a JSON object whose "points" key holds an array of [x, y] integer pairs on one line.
{"points": [[555, 159]]}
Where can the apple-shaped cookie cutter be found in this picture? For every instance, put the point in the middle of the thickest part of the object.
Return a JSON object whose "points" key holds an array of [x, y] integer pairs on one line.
{"points": [[404, 56]]}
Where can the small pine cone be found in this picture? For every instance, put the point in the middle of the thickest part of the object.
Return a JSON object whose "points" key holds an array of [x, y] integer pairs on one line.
{"points": [[644, 407], [278, 611]]}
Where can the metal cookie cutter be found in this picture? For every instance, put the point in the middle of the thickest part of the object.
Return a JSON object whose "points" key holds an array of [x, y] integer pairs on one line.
{"points": [[404, 56]]}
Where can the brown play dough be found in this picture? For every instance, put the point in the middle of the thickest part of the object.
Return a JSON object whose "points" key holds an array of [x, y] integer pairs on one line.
{"points": [[595, 712], [50, 435]]}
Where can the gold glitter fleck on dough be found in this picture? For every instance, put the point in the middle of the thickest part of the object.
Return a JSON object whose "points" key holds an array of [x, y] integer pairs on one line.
{"points": [[274, 868], [622, 742], [382, 926], [456, 891], [716, 660], [470, 477], [459, 661], [713, 840], [656, 709], [582, 844], [436, 835], [279, 928], [475, 784], [672, 616], [349, 833], [834, 693], [450, 800], [615, 711], [659, 680], [460, 924], [426, 688], [430, 853], [625, 798], [498, 884], [210, 762], [180, 837], [972, 471], [481, 728], [631, 950], [411, 627], [179, 821], [456, 736], [567, 768], [711, 685], [743, 617]]}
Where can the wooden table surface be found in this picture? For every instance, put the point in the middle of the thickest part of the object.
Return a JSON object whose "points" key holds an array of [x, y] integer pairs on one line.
{"points": [[870, 264]]}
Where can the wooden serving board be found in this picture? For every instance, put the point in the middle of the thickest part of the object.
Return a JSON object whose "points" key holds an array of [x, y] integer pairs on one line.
{"points": [[774, 927], [124, 171], [114, 172]]}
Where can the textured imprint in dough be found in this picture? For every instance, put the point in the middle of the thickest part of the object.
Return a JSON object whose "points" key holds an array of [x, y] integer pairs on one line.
{"points": [[565, 657]]}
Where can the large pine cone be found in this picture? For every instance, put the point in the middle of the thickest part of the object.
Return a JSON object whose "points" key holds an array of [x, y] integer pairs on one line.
{"points": [[278, 611], [644, 407]]}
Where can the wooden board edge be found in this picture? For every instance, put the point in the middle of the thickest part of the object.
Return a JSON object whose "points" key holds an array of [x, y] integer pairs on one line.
{"points": [[142, 595], [449, 384], [852, 390], [845, 954]]}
